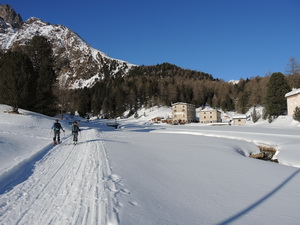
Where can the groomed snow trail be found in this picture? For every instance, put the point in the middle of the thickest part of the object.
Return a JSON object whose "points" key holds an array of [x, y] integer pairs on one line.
{"points": [[70, 185]]}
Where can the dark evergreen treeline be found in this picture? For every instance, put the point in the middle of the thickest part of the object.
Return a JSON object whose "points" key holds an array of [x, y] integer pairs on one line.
{"points": [[168, 70], [27, 77], [165, 84]]}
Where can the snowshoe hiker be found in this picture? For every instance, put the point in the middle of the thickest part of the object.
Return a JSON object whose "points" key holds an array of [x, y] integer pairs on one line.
{"points": [[56, 129], [75, 130]]}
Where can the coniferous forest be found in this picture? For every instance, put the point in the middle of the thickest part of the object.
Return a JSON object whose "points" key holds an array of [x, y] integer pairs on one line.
{"points": [[28, 80], [164, 84]]}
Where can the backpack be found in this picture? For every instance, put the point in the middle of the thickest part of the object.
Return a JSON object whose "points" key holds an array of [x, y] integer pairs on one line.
{"points": [[75, 127], [57, 126]]}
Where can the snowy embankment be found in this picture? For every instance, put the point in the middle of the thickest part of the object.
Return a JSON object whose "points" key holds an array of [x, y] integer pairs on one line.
{"points": [[63, 184], [146, 174]]}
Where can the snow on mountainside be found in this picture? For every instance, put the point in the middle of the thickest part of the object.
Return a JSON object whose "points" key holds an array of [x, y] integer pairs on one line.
{"points": [[77, 64], [233, 81]]}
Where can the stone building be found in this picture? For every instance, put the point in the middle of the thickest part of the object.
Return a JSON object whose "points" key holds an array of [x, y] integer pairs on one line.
{"points": [[210, 116], [183, 113], [293, 100]]}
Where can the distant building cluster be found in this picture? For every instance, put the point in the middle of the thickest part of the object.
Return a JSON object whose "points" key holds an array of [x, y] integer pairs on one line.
{"points": [[183, 113]]}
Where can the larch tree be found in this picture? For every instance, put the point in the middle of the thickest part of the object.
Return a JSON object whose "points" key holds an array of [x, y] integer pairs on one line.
{"points": [[293, 66], [275, 100]]}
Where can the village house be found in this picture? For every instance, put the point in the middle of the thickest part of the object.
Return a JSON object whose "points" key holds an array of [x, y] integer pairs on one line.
{"points": [[293, 100], [239, 120], [157, 119], [210, 116], [183, 113]]}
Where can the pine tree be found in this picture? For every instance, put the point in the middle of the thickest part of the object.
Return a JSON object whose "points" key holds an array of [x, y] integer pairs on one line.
{"points": [[243, 102], [40, 53], [119, 101], [17, 81], [84, 102], [276, 90]]}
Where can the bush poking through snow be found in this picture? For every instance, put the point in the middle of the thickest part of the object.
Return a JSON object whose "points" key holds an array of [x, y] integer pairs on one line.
{"points": [[297, 114]]}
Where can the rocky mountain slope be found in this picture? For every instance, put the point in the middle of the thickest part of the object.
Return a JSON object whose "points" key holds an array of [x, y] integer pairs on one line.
{"points": [[77, 64]]}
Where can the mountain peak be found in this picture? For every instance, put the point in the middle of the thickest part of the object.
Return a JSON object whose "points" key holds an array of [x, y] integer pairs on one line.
{"points": [[76, 63], [8, 14]]}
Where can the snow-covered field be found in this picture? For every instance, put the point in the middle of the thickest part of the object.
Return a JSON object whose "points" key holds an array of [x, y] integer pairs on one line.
{"points": [[147, 174]]}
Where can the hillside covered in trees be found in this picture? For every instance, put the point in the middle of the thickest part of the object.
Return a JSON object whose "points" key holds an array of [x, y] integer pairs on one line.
{"points": [[28, 80], [164, 84], [27, 77]]}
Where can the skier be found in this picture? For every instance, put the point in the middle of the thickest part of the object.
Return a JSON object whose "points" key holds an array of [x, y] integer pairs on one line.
{"points": [[75, 130], [56, 129]]}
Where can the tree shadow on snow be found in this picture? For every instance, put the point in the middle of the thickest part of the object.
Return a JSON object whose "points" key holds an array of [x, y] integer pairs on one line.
{"points": [[22, 171], [260, 201]]}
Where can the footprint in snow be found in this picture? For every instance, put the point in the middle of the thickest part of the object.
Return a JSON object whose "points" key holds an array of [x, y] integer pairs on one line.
{"points": [[125, 191], [115, 178], [133, 203]]}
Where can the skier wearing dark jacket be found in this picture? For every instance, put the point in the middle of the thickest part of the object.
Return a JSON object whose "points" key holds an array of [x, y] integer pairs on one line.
{"points": [[75, 130], [56, 129]]}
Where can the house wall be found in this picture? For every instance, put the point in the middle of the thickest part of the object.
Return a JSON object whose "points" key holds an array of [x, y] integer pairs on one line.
{"points": [[210, 116], [183, 112], [292, 102], [239, 121]]}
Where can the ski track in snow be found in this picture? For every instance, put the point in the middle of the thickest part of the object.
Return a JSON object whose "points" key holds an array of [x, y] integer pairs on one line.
{"points": [[243, 136], [69, 185]]}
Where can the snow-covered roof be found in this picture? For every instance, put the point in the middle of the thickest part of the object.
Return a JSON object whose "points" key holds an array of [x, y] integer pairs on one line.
{"points": [[239, 117], [182, 103], [293, 92], [208, 109]]}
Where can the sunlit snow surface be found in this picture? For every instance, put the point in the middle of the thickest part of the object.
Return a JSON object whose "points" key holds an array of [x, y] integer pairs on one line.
{"points": [[145, 173]]}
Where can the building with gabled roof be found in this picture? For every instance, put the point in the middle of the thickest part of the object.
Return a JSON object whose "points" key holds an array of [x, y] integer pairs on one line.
{"points": [[293, 100]]}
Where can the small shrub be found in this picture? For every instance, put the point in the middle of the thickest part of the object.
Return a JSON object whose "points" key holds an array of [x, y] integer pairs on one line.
{"points": [[297, 114], [255, 115], [270, 119]]}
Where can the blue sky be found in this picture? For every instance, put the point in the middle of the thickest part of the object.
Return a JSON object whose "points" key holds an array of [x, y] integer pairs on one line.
{"points": [[230, 39]]}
